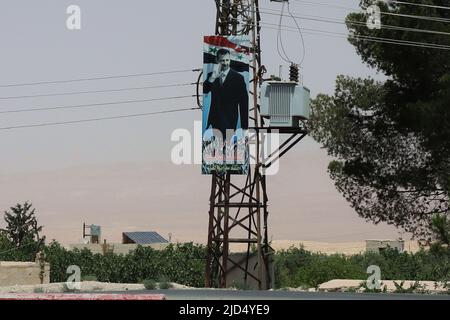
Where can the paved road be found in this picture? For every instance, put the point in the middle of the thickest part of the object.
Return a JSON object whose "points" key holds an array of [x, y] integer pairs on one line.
{"points": [[220, 294]]}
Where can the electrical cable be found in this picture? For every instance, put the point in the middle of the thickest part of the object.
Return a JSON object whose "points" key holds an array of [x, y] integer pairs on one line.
{"points": [[325, 4], [366, 38], [428, 18], [17, 248], [339, 21], [93, 104], [389, 27], [301, 35], [424, 43], [97, 119], [280, 39], [96, 91], [317, 18], [387, 2], [419, 5], [198, 90], [98, 78]]}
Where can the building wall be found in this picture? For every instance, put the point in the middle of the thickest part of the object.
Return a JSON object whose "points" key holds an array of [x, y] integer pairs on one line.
{"points": [[376, 245], [118, 248], [22, 273]]}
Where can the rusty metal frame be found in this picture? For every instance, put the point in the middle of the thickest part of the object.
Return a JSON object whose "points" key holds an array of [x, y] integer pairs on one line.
{"points": [[234, 209]]}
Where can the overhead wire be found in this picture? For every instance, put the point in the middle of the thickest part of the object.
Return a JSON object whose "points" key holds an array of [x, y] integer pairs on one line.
{"points": [[301, 35], [325, 4], [282, 55], [318, 18], [97, 91], [360, 23], [98, 78], [391, 40], [17, 248], [386, 26], [427, 18], [93, 104], [366, 38], [419, 5], [387, 2], [97, 119]]}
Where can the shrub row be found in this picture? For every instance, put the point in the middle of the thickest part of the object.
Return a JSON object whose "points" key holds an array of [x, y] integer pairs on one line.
{"points": [[297, 267], [181, 263]]}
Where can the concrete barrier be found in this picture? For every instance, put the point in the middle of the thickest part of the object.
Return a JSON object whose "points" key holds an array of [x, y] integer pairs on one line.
{"points": [[80, 296], [23, 273]]}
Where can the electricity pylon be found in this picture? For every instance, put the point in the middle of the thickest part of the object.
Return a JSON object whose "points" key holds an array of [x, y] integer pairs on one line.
{"points": [[238, 212]]}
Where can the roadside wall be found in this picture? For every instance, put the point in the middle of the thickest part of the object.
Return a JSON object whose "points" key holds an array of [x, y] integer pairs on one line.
{"points": [[23, 273]]}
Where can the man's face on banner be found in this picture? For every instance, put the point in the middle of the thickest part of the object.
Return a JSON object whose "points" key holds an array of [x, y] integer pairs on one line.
{"points": [[224, 62]]}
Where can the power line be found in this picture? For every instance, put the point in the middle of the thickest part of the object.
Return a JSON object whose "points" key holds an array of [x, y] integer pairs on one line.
{"points": [[428, 18], [94, 104], [325, 4], [96, 91], [365, 38], [301, 35], [97, 119], [388, 2], [99, 78], [282, 55], [339, 21], [385, 26], [318, 18], [355, 22], [17, 248], [419, 5]]}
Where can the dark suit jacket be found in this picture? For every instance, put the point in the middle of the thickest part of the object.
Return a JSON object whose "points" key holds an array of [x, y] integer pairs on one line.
{"points": [[227, 102]]}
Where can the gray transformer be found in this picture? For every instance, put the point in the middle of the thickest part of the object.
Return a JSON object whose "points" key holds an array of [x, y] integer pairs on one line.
{"points": [[284, 103]]}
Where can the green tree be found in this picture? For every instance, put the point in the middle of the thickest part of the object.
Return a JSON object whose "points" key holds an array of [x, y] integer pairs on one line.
{"points": [[441, 228], [22, 232], [391, 139]]}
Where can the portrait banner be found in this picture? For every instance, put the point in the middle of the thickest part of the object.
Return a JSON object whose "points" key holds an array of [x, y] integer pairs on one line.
{"points": [[225, 104]]}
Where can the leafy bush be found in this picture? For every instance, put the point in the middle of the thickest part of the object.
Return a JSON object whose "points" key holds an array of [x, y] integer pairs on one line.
{"points": [[181, 263], [164, 283], [149, 284], [89, 278], [297, 267]]}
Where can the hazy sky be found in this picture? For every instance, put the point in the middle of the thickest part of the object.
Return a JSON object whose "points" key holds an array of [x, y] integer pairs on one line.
{"points": [[118, 173]]}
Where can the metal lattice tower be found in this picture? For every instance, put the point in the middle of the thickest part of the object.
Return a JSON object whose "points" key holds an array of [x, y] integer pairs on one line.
{"points": [[238, 212]]}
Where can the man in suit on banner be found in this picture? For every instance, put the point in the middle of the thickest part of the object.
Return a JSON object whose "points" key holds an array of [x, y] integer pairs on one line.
{"points": [[229, 96]]}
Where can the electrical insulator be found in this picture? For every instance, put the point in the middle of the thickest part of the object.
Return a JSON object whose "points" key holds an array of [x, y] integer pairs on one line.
{"points": [[293, 72]]}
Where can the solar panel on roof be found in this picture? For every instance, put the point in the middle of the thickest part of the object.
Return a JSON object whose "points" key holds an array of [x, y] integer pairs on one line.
{"points": [[145, 237]]}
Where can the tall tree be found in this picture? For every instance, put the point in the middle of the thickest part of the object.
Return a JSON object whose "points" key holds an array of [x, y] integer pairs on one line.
{"points": [[391, 139], [22, 231], [441, 228]]}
